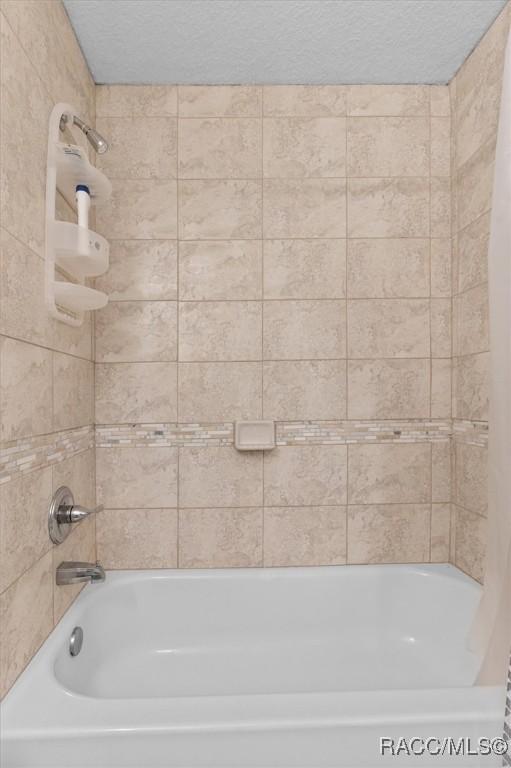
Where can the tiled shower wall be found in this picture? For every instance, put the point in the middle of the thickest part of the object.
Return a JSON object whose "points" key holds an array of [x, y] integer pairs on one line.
{"points": [[475, 101], [46, 368], [278, 253]]}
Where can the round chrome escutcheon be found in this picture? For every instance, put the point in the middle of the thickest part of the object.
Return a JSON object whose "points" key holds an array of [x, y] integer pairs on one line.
{"points": [[76, 641]]}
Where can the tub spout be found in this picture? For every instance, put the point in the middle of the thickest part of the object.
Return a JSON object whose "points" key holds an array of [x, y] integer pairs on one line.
{"points": [[74, 573]]}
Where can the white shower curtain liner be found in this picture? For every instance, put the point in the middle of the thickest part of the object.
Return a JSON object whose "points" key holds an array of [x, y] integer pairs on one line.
{"points": [[492, 627]]}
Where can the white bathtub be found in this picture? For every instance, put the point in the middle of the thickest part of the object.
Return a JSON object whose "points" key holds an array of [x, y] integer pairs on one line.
{"points": [[260, 667]]}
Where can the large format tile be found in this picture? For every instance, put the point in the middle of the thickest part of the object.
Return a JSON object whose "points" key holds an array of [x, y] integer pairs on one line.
{"points": [[304, 269], [136, 392], [388, 389], [220, 330], [220, 100], [26, 614], [73, 392], [389, 473], [388, 146], [388, 533], [440, 146], [139, 210], [24, 523], [25, 390], [441, 369], [220, 538], [141, 269], [304, 330], [304, 389], [304, 100], [220, 269], [472, 321], [388, 100], [297, 147], [441, 459], [441, 267], [136, 477], [137, 331], [79, 474], [136, 100], [129, 157], [471, 477], [473, 242], [211, 392], [388, 328], [441, 327], [387, 207], [304, 208], [219, 210], [470, 543], [440, 208], [388, 268], [440, 533], [475, 184], [137, 538], [304, 536], [305, 475], [220, 148], [470, 386], [220, 477]]}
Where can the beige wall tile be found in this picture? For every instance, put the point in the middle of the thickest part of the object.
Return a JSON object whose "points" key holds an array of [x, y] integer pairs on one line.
{"points": [[220, 538], [388, 100], [140, 210], [388, 207], [388, 146], [219, 391], [470, 387], [304, 208], [136, 477], [136, 393], [26, 614], [137, 331], [390, 533], [472, 321], [220, 269], [80, 546], [306, 389], [304, 100], [220, 148], [471, 477], [441, 327], [470, 544], [386, 473], [297, 147], [79, 474], [23, 523], [388, 389], [220, 330], [473, 244], [388, 328], [440, 103], [440, 532], [305, 475], [440, 146], [138, 147], [141, 269], [220, 477], [136, 100], [441, 471], [441, 388], [304, 536], [137, 538], [441, 267], [301, 330], [219, 210], [475, 184], [220, 100], [304, 269], [440, 207], [388, 268], [25, 390], [73, 392]]}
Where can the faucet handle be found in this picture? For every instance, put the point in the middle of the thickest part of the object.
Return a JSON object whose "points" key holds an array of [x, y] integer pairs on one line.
{"points": [[63, 512], [75, 512]]}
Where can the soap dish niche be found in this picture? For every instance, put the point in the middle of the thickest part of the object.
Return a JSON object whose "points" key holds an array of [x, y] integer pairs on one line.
{"points": [[254, 435]]}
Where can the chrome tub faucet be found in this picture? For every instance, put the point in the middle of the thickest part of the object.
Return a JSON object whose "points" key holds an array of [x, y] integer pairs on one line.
{"points": [[73, 572]]}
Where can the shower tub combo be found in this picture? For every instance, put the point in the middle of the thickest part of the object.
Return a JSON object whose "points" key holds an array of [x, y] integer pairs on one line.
{"points": [[256, 667]]}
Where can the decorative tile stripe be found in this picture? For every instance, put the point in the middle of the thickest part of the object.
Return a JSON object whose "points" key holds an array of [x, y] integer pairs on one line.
{"points": [[22, 456], [472, 432], [162, 435], [335, 432], [507, 720]]}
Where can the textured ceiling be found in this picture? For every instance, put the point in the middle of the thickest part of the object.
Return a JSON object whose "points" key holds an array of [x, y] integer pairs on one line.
{"points": [[278, 41]]}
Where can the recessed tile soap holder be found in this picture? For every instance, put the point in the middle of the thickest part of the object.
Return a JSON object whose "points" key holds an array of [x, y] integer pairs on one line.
{"points": [[254, 435]]}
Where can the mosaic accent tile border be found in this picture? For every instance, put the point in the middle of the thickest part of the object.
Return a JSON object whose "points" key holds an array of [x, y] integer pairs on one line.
{"points": [[161, 435], [472, 432], [507, 720], [22, 456]]}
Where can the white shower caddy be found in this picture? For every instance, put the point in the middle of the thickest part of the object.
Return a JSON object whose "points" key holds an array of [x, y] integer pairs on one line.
{"points": [[77, 251]]}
